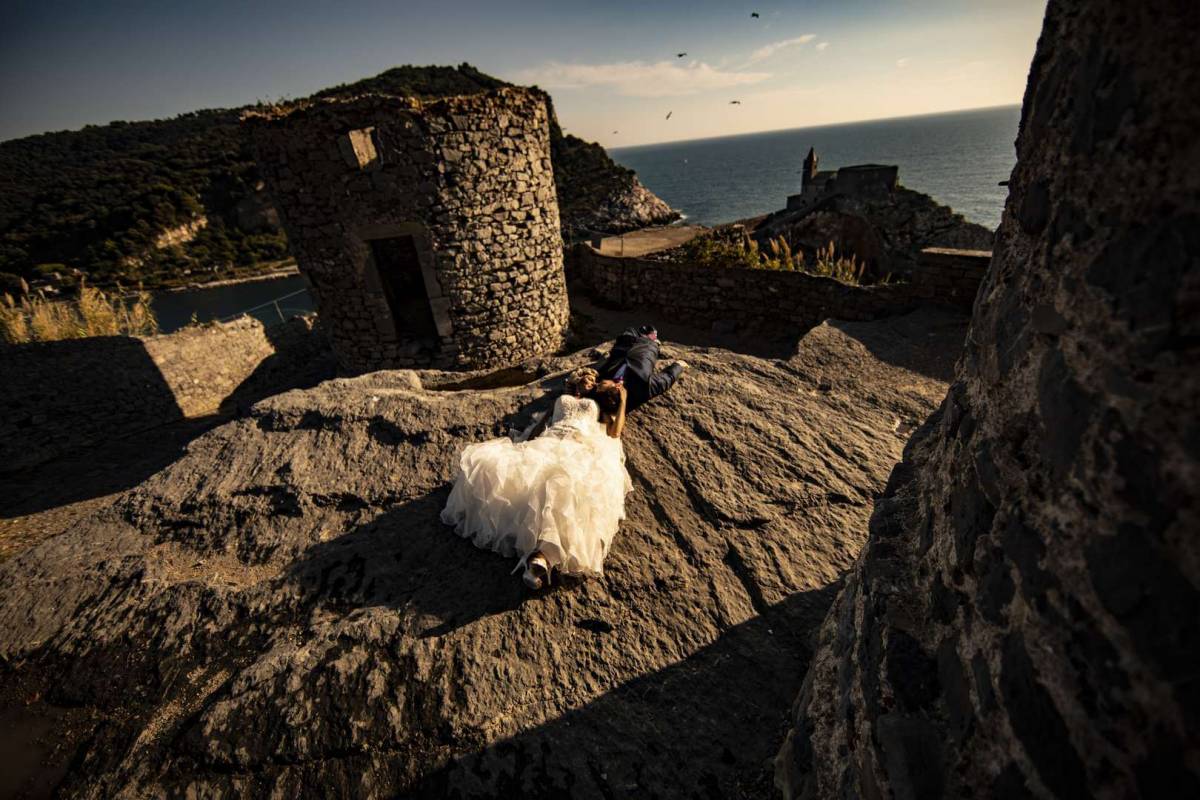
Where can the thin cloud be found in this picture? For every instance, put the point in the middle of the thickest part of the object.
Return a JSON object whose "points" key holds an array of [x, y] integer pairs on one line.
{"points": [[902, 62], [822, 45], [766, 51], [639, 78]]}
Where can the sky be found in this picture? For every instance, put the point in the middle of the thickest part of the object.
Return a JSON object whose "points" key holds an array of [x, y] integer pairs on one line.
{"points": [[612, 67]]}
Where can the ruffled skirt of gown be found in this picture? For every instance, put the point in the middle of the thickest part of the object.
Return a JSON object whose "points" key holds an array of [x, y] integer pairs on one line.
{"points": [[561, 494]]}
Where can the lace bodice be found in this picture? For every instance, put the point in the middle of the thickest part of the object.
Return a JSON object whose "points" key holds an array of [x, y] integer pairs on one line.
{"points": [[575, 413]]}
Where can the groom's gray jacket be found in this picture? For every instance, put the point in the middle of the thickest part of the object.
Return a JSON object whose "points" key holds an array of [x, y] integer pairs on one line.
{"points": [[638, 354]]}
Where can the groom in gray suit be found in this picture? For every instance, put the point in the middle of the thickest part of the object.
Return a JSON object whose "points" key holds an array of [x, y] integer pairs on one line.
{"points": [[632, 362]]}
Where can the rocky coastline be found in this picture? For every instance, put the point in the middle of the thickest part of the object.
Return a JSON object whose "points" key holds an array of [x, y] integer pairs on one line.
{"points": [[597, 195], [885, 231]]}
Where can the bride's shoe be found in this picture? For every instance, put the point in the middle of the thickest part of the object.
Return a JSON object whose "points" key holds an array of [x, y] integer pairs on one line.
{"points": [[537, 572]]}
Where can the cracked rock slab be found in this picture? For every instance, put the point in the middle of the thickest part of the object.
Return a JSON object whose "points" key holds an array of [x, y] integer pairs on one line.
{"points": [[280, 612]]}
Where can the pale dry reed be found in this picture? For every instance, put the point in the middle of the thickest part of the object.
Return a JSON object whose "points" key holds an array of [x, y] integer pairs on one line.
{"points": [[828, 262], [93, 313]]}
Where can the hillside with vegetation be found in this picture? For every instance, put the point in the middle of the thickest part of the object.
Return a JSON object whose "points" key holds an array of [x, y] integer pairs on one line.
{"points": [[97, 200], [180, 200]]}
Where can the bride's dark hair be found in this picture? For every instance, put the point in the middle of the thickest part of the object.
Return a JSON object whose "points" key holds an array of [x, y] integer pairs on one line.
{"points": [[608, 396]]}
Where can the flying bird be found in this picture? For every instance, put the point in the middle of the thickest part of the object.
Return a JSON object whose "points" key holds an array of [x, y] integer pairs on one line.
{"points": [[680, 55], [669, 113], [735, 102], [615, 132], [754, 14]]}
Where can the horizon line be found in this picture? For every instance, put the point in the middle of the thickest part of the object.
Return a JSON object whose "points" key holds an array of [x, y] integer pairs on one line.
{"points": [[218, 109], [812, 127]]}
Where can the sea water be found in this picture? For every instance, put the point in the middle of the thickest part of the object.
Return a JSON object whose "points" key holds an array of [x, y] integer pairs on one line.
{"points": [[958, 158], [270, 301]]}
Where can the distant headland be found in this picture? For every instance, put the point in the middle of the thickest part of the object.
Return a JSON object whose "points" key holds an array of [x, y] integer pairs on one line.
{"points": [[179, 201]]}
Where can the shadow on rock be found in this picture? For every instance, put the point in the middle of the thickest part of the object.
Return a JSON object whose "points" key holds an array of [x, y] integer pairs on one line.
{"points": [[407, 557], [86, 474], [927, 341], [707, 726], [124, 449], [302, 358]]}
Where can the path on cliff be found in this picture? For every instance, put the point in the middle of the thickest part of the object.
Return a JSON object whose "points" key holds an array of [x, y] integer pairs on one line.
{"points": [[648, 240], [280, 608]]}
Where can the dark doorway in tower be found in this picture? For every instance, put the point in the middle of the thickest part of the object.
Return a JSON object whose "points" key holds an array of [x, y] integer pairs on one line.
{"points": [[399, 267]]}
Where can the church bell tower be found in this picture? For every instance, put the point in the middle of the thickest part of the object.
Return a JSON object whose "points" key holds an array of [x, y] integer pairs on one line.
{"points": [[810, 169]]}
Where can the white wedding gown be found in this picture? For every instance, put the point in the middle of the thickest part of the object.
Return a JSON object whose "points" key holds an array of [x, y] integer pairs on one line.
{"points": [[562, 493]]}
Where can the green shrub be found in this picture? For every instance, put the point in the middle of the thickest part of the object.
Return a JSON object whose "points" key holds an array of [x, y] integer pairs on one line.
{"points": [[706, 251], [48, 270]]}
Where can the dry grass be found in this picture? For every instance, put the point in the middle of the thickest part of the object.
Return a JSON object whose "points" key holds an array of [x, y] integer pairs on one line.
{"points": [[93, 313], [779, 256], [831, 264], [782, 257]]}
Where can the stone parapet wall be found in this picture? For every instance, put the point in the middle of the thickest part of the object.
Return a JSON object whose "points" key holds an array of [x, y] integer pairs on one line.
{"points": [[61, 396], [950, 276], [204, 365], [468, 178], [748, 300]]}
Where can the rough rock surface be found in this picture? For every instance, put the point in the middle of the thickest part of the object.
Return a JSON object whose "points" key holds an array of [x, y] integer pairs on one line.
{"points": [[622, 205], [1025, 618], [75, 394], [280, 610], [887, 232]]}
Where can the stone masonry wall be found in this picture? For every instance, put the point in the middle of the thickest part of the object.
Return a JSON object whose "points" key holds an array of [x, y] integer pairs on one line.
{"points": [[1024, 620], [61, 396], [468, 177], [746, 300], [203, 366], [948, 276]]}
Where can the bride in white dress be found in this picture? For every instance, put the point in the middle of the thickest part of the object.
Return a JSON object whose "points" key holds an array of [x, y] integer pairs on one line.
{"points": [[554, 500]]}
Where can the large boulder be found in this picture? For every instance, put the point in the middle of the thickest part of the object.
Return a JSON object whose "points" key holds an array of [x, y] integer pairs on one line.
{"points": [[280, 612], [1025, 618]]}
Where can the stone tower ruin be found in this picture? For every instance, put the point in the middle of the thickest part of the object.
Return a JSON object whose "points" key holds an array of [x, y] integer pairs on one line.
{"points": [[428, 230]]}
